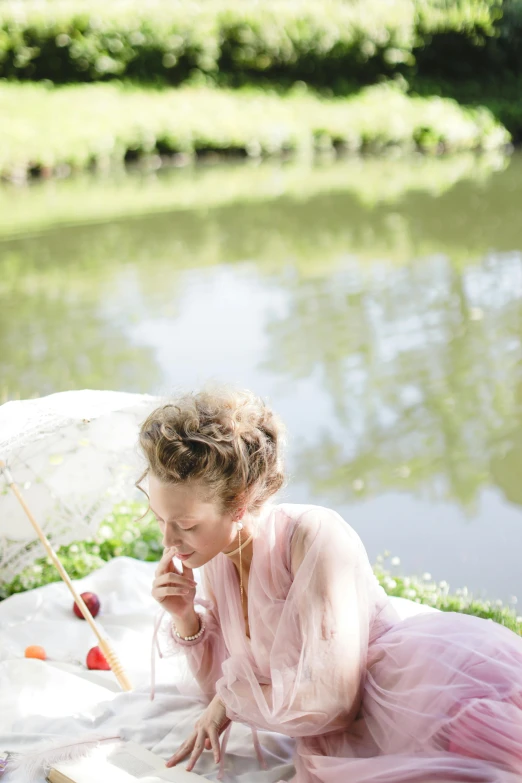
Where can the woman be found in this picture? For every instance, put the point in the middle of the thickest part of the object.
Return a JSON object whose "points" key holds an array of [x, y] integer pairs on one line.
{"points": [[298, 637]]}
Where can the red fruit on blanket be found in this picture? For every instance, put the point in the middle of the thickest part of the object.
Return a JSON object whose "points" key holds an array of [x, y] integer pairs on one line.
{"points": [[96, 659], [92, 602]]}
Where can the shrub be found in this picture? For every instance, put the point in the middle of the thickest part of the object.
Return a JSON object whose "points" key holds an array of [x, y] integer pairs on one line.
{"points": [[121, 533], [283, 41], [102, 123], [426, 591], [332, 44]]}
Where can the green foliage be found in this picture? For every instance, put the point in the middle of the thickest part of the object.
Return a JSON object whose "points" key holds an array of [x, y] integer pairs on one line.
{"points": [[286, 41], [122, 533], [78, 126], [126, 532], [500, 95], [226, 40], [426, 591], [330, 44]]}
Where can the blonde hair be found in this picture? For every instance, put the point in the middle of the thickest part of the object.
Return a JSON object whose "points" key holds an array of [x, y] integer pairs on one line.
{"points": [[228, 439]]}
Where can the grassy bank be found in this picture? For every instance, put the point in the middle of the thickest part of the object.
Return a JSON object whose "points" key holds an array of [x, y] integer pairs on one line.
{"points": [[95, 125], [121, 534]]}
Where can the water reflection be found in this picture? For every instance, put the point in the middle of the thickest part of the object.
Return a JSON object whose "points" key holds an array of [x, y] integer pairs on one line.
{"points": [[422, 365], [385, 330]]}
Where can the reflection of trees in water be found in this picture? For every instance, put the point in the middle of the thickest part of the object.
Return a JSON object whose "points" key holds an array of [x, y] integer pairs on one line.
{"points": [[54, 334], [69, 297], [422, 365]]}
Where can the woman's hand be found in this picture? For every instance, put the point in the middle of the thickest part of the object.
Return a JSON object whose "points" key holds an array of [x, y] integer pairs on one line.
{"points": [[173, 589], [205, 735]]}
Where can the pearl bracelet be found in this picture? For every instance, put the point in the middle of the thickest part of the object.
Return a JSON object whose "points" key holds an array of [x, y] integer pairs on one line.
{"points": [[190, 638]]}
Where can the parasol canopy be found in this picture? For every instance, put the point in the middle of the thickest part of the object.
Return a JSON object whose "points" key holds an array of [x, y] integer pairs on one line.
{"points": [[74, 455]]}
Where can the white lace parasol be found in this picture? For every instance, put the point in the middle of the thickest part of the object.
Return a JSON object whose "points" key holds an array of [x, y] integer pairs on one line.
{"points": [[74, 455]]}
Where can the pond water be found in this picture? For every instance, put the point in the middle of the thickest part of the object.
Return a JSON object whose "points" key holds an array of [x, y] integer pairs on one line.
{"points": [[378, 304]]}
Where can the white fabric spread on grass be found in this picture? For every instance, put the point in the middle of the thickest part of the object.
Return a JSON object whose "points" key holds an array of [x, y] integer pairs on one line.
{"points": [[58, 699]]}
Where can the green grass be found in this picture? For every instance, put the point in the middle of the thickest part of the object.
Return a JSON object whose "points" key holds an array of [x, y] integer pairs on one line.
{"points": [[425, 591], [124, 533], [85, 125]]}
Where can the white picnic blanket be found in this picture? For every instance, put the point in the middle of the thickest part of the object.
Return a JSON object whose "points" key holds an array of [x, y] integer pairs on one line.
{"points": [[45, 701]]}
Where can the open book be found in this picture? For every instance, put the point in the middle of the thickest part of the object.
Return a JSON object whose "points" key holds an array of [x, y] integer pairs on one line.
{"points": [[119, 763]]}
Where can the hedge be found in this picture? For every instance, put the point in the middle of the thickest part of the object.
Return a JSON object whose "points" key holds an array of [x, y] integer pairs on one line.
{"points": [[331, 44], [287, 40], [78, 126]]}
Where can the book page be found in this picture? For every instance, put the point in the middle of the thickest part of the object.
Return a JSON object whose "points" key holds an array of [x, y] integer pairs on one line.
{"points": [[131, 756], [123, 763]]}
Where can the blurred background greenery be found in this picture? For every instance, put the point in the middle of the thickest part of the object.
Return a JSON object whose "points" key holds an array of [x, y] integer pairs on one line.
{"points": [[318, 201]]}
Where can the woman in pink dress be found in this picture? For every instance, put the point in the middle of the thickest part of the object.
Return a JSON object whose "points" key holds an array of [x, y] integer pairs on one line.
{"points": [[295, 635]]}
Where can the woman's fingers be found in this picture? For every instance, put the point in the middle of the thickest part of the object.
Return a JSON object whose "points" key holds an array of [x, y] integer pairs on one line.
{"points": [[166, 565], [183, 751], [213, 737], [198, 749], [173, 579], [161, 593], [170, 584]]}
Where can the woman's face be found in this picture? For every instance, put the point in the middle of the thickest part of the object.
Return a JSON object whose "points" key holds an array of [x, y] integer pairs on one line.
{"points": [[191, 522]]}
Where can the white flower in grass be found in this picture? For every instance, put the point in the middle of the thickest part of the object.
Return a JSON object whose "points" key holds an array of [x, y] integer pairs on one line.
{"points": [[96, 549], [427, 576], [395, 561], [105, 532], [498, 602], [519, 618], [391, 584], [37, 569], [127, 537], [406, 581], [74, 548], [513, 600], [443, 585], [411, 594]]}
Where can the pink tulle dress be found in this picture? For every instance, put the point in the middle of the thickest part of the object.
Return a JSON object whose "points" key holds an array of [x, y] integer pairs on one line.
{"points": [[370, 698]]}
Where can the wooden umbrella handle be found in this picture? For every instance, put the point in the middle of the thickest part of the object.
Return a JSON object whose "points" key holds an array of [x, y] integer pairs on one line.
{"points": [[105, 647]]}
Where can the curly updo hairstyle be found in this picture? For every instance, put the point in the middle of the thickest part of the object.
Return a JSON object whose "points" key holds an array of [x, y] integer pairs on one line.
{"points": [[229, 440]]}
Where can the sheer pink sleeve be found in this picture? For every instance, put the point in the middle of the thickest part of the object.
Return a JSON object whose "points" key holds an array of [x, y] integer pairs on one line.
{"points": [[318, 655], [204, 655]]}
